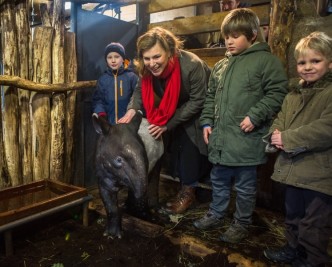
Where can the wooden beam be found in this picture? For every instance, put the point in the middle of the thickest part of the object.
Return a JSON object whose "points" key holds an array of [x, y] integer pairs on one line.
{"points": [[162, 5], [120, 2], [210, 55], [207, 23], [45, 88]]}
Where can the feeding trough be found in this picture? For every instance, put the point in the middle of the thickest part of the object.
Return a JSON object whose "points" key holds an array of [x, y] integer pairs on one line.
{"points": [[25, 203]]}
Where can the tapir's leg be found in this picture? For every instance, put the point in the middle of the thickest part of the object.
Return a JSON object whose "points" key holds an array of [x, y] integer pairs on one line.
{"points": [[153, 187], [110, 200]]}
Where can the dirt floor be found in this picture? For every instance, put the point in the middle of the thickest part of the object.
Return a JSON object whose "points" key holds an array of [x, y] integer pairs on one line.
{"points": [[62, 241]]}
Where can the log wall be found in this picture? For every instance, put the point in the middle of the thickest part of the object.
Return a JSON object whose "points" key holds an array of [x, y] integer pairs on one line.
{"points": [[34, 125]]}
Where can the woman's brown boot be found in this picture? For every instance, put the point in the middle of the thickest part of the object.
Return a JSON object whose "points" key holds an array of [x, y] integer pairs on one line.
{"points": [[184, 200]]}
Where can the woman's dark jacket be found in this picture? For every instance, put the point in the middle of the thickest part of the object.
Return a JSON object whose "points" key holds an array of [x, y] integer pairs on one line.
{"points": [[194, 77]]}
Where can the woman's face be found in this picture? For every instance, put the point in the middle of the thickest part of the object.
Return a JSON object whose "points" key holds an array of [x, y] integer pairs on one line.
{"points": [[156, 59], [311, 66]]}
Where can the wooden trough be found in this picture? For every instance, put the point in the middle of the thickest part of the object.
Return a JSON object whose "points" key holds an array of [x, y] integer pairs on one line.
{"points": [[25, 203]]}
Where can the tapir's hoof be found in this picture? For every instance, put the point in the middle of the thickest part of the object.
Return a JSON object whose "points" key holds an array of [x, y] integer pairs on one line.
{"points": [[111, 235]]}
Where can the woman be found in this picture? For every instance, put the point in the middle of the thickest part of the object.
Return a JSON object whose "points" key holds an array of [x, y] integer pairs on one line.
{"points": [[171, 93]]}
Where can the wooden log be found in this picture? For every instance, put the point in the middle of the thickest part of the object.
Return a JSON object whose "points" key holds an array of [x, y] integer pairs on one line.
{"points": [[207, 23], [23, 36], [70, 76], [281, 21], [58, 100], [138, 226], [44, 88], [10, 101], [190, 245], [4, 175], [40, 103]]}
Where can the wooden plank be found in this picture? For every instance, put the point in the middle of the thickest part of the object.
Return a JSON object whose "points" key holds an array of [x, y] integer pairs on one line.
{"points": [[210, 55], [162, 5], [207, 23]]}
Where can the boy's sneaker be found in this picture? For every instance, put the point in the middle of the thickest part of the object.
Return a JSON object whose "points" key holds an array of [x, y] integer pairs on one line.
{"points": [[208, 221], [284, 254], [235, 233]]}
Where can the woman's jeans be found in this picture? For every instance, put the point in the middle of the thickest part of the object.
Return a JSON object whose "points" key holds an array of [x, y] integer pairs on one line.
{"points": [[244, 179], [190, 165]]}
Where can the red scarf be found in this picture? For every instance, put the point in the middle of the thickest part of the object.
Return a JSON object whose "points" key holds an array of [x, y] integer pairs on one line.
{"points": [[160, 115]]}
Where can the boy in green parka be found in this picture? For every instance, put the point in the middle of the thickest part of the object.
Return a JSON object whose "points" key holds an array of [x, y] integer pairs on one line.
{"points": [[245, 92], [302, 133]]}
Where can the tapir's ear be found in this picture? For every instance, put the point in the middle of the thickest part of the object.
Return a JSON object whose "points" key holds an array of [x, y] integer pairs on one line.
{"points": [[100, 124], [136, 121]]}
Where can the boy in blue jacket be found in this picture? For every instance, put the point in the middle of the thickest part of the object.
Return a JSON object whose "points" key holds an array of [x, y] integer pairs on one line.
{"points": [[245, 92], [115, 87]]}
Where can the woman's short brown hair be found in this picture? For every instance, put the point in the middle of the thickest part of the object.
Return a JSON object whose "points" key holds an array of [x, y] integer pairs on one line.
{"points": [[168, 41]]}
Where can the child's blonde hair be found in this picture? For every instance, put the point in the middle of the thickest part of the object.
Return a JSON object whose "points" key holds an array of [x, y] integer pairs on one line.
{"points": [[317, 41], [241, 20]]}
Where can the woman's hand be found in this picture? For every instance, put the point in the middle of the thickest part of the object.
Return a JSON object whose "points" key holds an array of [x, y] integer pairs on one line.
{"points": [[207, 130], [128, 116], [157, 131]]}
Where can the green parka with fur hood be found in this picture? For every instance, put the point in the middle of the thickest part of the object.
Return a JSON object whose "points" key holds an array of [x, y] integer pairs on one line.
{"points": [[305, 123], [252, 84]]}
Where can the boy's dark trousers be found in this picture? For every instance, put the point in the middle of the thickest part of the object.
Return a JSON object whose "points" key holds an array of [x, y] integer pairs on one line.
{"points": [[309, 222]]}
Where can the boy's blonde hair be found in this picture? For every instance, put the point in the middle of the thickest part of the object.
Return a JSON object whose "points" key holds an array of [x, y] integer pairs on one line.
{"points": [[167, 40], [242, 21], [317, 41]]}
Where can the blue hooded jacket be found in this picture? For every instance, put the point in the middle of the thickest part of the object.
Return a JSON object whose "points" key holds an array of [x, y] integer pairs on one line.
{"points": [[113, 93]]}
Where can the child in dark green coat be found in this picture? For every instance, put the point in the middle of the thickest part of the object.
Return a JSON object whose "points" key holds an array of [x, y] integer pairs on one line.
{"points": [[245, 92]]}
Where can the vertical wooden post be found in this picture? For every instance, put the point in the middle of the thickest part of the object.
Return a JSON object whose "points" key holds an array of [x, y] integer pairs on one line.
{"points": [[23, 36], [58, 110], [86, 214], [70, 76], [9, 243], [40, 103], [10, 101], [281, 21]]}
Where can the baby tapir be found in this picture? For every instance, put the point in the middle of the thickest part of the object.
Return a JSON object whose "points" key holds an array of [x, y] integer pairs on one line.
{"points": [[125, 155]]}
